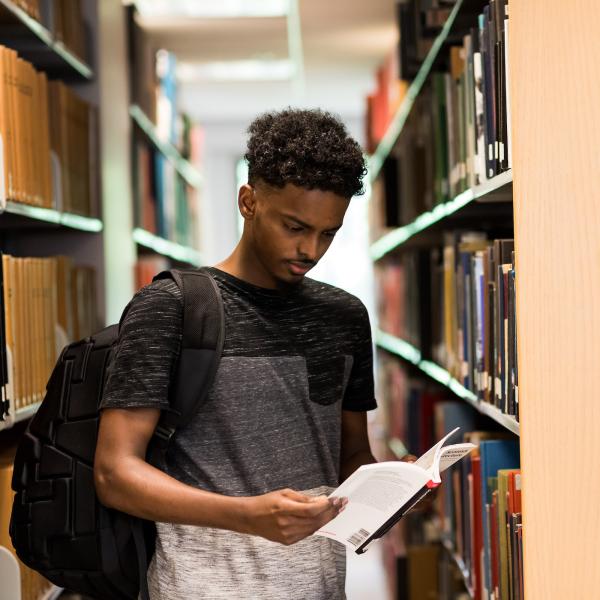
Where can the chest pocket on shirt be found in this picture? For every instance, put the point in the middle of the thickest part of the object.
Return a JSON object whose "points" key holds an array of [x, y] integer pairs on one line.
{"points": [[328, 378]]}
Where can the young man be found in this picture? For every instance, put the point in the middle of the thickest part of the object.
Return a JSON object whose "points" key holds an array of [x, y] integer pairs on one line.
{"points": [[245, 482]]}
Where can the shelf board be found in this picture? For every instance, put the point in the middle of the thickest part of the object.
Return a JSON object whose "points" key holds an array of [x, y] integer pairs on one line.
{"points": [[411, 354], [167, 248], [458, 561], [391, 135], [56, 217], [183, 167], [26, 412], [20, 415], [35, 44], [52, 593], [493, 190]]}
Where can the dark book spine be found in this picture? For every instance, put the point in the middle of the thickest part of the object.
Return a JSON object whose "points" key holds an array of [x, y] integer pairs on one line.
{"points": [[487, 94], [511, 342], [500, 346]]}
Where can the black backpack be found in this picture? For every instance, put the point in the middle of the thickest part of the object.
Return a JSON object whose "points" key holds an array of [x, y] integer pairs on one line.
{"points": [[58, 527]]}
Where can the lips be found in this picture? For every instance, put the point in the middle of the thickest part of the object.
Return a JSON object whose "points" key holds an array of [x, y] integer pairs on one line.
{"points": [[299, 268]]}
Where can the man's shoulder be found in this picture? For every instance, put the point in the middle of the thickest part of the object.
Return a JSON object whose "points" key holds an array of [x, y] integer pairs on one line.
{"points": [[335, 299], [161, 287]]}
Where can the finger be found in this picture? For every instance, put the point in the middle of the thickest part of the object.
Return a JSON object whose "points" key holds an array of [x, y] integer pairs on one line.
{"points": [[410, 458], [311, 509], [325, 517], [297, 496]]}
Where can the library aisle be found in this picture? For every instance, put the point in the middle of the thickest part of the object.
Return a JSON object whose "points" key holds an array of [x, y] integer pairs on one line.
{"points": [[474, 250]]}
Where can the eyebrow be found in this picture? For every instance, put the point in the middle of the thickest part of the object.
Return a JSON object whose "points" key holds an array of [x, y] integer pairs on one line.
{"points": [[303, 224]]}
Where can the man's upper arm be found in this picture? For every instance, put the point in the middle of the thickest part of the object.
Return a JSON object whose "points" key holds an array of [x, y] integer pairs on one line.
{"points": [[355, 437], [125, 432]]}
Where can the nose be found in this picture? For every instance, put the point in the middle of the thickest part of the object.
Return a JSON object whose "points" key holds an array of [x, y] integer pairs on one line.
{"points": [[308, 248]]}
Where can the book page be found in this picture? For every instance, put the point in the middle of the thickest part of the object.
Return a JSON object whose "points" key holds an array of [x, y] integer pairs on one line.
{"points": [[453, 453], [427, 460], [375, 493]]}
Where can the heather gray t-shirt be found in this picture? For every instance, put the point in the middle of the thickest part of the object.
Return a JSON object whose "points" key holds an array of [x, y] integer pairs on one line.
{"points": [[291, 363]]}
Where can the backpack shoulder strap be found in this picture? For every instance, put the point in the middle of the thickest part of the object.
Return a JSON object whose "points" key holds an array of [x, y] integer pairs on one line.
{"points": [[201, 348]]}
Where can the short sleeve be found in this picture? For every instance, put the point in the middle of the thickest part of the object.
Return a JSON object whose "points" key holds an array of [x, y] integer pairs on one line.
{"points": [[360, 394], [147, 349]]}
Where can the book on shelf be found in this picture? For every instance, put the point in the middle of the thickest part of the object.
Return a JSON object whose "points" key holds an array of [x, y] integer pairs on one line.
{"points": [[146, 267], [68, 25], [46, 303], [31, 7], [380, 494]]}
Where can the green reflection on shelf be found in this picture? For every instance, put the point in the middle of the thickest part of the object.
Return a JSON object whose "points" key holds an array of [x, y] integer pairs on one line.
{"points": [[49, 215], [167, 248], [398, 346], [395, 238]]}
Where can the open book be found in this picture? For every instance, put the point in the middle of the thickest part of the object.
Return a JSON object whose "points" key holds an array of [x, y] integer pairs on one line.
{"points": [[379, 495]]}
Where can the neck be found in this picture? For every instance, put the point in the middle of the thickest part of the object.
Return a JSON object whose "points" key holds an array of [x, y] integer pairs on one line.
{"points": [[244, 264]]}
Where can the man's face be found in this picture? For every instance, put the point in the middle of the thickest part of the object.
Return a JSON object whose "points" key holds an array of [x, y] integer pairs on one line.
{"points": [[290, 228]]}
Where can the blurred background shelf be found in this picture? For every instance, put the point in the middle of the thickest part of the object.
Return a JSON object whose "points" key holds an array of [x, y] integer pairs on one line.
{"points": [[35, 43]]}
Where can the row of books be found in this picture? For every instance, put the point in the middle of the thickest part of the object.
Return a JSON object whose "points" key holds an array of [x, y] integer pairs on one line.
{"points": [[154, 88], [418, 23], [457, 135], [165, 204], [480, 507], [41, 120], [33, 585], [457, 305], [481, 526], [477, 106], [63, 18], [46, 303]]}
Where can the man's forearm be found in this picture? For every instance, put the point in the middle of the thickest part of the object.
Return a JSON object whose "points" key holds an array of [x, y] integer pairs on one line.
{"points": [[350, 464], [138, 488]]}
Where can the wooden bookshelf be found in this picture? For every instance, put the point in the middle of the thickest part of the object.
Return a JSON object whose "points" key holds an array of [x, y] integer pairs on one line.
{"points": [[407, 352], [36, 44], [555, 86], [555, 125]]}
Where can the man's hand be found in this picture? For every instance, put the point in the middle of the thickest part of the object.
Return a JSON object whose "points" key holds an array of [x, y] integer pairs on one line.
{"points": [[427, 503], [286, 516], [409, 458]]}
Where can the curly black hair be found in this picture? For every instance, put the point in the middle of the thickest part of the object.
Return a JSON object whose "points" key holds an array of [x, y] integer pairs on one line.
{"points": [[308, 148]]}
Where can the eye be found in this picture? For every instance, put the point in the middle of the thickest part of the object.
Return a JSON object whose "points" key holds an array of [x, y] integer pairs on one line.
{"points": [[294, 228], [329, 234]]}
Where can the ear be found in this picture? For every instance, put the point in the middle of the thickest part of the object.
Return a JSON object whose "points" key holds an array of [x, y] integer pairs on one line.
{"points": [[247, 202]]}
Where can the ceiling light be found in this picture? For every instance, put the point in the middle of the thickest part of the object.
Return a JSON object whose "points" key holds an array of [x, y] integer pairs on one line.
{"points": [[209, 9], [240, 70]]}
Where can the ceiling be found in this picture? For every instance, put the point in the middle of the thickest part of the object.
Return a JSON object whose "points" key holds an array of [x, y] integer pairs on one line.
{"points": [[343, 43]]}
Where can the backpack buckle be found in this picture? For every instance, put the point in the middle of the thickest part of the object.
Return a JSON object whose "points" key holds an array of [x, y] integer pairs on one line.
{"points": [[164, 434]]}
